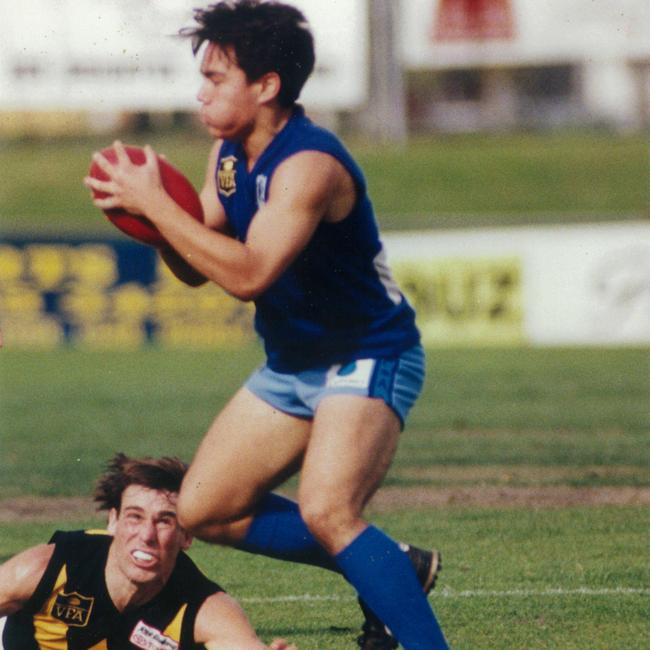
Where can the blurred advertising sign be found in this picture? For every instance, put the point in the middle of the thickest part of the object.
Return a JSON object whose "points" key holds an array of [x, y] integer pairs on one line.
{"points": [[473, 20], [560, 285], [111, 55], [340, 29], [464, 33], [461, 300], [109, 294], [567, 285], [117, 294], [553, 285]]}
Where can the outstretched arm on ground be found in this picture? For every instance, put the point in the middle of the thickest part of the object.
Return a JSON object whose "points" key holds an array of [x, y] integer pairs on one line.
{"points": [[221, 624]]}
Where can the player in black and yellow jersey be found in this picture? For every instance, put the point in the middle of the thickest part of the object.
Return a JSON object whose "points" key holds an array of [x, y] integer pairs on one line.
{"points": [[131, 586]]}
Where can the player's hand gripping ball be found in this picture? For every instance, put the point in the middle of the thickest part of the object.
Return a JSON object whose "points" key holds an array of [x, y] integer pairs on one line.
{"points": [[175, 183]]}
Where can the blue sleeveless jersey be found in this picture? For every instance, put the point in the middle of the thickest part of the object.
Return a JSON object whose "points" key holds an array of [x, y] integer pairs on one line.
{"points": [[337, 301]]}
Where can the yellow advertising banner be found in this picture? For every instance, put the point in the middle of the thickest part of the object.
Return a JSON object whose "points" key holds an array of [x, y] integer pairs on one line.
{"points": [[465, 300], [119, 295], [109, 295]]}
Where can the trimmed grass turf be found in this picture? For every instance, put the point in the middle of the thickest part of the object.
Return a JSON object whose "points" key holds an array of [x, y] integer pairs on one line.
{"points": [[575, 578], [63, 413], [443, 181], [512, 578], [519, 417]]}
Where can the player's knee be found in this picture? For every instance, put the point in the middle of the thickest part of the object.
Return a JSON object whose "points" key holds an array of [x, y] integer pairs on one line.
{"points": [[203, 526], [189, 515], [194, 516], [318, 519], [327, 519], [209, 519]]}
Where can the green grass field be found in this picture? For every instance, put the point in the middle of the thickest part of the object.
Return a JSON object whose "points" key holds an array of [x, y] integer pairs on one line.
{"points": [[574, 578], [446, 181], [529, 468], [497, 421], [502, 408]]}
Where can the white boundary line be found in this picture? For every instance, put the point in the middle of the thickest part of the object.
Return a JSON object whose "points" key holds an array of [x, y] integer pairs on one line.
{"points": [[475, 593], [557, 591], [449, 593]]}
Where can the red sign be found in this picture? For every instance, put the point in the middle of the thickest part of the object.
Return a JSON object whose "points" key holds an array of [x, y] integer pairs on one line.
{"points": [[473, 20]]}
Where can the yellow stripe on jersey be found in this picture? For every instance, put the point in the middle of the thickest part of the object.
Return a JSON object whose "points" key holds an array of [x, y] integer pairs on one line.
{"points": [[49, 633], [96, 531], [173, 630]]}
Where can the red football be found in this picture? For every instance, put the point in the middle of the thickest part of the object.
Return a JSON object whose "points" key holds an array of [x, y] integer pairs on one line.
{"points": [[176, 184]]}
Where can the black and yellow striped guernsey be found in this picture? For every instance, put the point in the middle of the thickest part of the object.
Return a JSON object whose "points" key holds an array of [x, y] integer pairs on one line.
{"points": [[71, 608]]}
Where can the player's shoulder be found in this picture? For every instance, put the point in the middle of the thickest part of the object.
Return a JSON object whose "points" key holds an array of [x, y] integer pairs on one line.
{"points": [[78, 546], [313, 176], [21, 575], [79, 537], [32, 561], [305, 134], [62, 542], [310, 165], [310, 141], [188, 579]]}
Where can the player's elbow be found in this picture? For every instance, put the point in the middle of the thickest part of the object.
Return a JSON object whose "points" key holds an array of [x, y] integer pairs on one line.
{"points": [[253, 274], [245, 294], [194, 281], [182, 269], [191, 279], [249, 288]]}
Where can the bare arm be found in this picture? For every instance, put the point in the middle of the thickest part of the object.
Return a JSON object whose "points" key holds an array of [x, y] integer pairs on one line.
{"points": [[302, 192], [214, 218], [20, 575], [222, 625]]}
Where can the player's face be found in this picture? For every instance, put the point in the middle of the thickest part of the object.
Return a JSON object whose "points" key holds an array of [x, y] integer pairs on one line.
{"points": [[146, 535], [229, 102]]}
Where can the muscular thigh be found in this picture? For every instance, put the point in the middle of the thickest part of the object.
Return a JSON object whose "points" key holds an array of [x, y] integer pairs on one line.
{"points": [[250, 448], [352, 445], [360, 410]]}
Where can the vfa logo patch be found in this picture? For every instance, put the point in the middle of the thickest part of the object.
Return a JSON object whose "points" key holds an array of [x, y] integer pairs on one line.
{"points": [[73, 609], [226, 176]]}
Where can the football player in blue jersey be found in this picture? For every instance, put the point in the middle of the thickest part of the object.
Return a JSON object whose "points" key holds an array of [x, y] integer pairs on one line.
{"points": [[130, 586], [289, 225]]}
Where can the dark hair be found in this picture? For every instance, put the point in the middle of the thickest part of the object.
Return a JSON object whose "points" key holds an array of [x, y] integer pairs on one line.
{"points": [[265, 37], [165, 474]]}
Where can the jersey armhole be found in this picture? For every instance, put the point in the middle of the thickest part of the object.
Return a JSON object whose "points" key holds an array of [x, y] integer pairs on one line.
{"points": [[46, 583], [203, 589]]}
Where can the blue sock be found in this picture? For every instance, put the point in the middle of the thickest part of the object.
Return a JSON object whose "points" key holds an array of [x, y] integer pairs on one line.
{"points": [[384, 577], [278, 531]]}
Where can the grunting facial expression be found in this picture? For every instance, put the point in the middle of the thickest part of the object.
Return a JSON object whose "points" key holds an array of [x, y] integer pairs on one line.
{"points": [[147, 537], [229, 101]]}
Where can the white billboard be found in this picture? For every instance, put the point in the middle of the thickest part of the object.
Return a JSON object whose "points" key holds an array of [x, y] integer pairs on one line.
{"points": [[104, 55], [554, 285], [543, 32]]}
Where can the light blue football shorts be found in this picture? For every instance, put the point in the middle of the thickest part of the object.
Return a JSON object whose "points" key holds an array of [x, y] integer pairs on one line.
{"points": [[396, 380]]}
